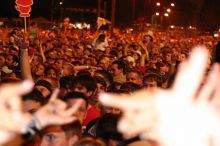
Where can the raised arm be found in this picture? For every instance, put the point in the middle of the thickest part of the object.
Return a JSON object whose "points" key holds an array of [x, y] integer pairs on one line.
{"points": [[24, 60], [42, 52], [14, 121]]}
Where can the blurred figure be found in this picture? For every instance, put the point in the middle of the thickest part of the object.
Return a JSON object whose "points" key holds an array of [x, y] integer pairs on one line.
{"points": [[65, 135], [89, 141]]}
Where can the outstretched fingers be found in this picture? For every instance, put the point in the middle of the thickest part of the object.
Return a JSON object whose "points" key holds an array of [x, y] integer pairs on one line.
{"points": [[190, 74], [129, 102], [54, 95], [210, 85], [10, 94]]}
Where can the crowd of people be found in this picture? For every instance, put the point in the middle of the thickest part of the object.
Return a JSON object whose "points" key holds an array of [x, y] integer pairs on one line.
{"points": [[84, 64]]}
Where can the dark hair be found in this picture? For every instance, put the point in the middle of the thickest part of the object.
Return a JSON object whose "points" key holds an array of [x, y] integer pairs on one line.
{"points": [[150, 70], [76, 95], [67, 82], [113, 87], [114, 53], [101, 58], [89, 141], [14, 57], [130, 87], [101, 81], [138, 72], [171, 80], [87, 81], [152, 77], [83, 72], [71, 129], [47, 69], [101, 38], [216, 53], [107, 128], [45, 84], [121, 65], [39, 59], [107, 75], [151, 38], [35, 95]]}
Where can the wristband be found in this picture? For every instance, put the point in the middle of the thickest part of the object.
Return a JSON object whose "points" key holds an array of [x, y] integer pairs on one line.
{"points": [[24, 49], [33, 128]]}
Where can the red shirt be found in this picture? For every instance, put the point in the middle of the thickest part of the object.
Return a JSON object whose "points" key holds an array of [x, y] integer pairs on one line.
{"points": [[92, 113]]}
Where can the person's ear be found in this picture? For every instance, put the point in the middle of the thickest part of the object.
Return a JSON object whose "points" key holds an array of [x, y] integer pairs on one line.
{"points": [[89, 93], [73, 139]]}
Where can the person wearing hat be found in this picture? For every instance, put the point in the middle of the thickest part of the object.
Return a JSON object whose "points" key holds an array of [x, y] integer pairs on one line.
{"points": [[148, 42]]}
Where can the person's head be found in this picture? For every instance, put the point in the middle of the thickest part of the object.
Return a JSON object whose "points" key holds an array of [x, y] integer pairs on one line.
{"points": [[44, 87], [104, 62], [11, 60], [68, 69], [66, 84], [2, 61], [175, 51], [182, 56], [130, 87], [101, 84], [101, 38], [120, 47], [163, 68], [52, 53], [51, 72], [89, 141], [32, 101], [105, 75], [168, 57], [72, 98], [107, 129], [87, 51], [150, 81], [113, 110], [135, 76], [65, 135], [50, 61], [53, 82], [85, 84], [118, 68], [170, 80], [79, 49], [148, 38], [59, 63], [115, 86], [36, 60], [136, 55], [88, 61], [83, 72], [216, 53], [39, 70]]}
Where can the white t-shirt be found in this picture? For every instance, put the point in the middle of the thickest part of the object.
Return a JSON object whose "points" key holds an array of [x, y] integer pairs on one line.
{"points": [[100, 45]]}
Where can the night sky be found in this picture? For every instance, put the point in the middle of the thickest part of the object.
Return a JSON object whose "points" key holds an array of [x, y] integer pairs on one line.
{"points": [[204, 13]]}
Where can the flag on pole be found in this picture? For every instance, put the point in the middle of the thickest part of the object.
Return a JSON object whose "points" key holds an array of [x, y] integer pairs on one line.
{"points": [[102, 21], [24, 7]]}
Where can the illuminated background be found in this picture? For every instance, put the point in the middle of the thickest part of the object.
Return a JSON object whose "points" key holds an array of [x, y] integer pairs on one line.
{"points": [[203, 13]]}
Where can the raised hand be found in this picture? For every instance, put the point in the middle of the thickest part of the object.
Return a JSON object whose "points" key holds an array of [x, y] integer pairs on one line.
{"points": [[177, 116], [56, 112], [11, 115]]}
